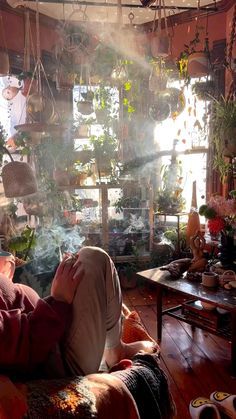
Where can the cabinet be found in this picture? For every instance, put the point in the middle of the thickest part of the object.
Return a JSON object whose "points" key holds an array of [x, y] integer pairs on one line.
{"points": [[125, 233], [164, 221]]}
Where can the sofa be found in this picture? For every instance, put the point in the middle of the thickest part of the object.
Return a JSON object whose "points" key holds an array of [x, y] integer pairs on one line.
{"points": [[136, 389]]}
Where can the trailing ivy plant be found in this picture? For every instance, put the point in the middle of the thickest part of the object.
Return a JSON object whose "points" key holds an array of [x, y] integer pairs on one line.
{"points": [[3, 137], [223, 134]]}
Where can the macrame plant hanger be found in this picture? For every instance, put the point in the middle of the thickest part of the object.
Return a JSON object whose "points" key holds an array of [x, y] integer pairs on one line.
{"points": [[41, 110], [160, 40], [18, 178]]}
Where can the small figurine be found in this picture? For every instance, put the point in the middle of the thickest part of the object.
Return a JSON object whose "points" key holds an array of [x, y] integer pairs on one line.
{"points": [[197, 244]]}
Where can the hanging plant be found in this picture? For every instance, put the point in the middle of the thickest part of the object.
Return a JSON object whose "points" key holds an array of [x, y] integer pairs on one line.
{"points": [[194, 62], [204, 90], [224, 134]]}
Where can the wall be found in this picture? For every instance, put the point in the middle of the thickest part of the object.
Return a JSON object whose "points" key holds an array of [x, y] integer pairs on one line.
{"points": [[181, 33], [13, 23]]}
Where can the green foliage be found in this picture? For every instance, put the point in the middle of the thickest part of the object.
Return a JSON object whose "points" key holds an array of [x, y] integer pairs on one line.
{"points": [[128, 269], [207, 212], [126, 202], [21, 244], [22, 141], [223, 133], [169, 197], [3, 137], [168, 201], [171, 235]]}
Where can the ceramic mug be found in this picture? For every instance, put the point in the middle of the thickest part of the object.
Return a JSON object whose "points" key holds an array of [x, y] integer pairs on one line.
{"points": [[7, 264], [209, 279]]}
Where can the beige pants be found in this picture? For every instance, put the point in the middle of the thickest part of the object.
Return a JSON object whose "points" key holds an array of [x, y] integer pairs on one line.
{"points": [[97, 307]]}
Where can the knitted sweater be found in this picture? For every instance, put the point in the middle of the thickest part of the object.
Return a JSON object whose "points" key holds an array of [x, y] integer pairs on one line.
{"points": [[30, 328]]}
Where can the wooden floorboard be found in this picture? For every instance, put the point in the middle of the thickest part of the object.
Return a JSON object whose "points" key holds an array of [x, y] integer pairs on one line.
{"points": [[196, 363]]}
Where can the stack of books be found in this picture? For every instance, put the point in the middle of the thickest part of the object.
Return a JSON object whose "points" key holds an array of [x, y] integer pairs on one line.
{"points": [[194, 311]]}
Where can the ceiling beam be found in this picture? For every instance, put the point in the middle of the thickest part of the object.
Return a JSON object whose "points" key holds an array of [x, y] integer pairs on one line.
{"points": [[133, 6]]}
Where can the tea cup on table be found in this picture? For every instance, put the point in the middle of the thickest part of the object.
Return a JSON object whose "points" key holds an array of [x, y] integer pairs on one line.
{"points": [[7, 264], [209, 279]]}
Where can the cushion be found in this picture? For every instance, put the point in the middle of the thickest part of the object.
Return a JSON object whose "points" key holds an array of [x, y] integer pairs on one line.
{"points": [[133, 329]]}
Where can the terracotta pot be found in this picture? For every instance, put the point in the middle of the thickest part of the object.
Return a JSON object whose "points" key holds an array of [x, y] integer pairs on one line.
{"points": [[4, 63], [198, 64]]}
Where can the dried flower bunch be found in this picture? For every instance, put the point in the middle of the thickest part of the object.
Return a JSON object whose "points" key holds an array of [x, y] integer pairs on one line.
{"points": [[221, 214]]}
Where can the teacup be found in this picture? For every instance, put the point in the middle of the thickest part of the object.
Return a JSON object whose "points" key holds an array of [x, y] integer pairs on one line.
{"points": [[209, 279], [7, 264]]}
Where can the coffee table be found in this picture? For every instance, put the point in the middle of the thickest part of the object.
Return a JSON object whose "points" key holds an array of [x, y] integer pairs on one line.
{"points": [[225, 299]]}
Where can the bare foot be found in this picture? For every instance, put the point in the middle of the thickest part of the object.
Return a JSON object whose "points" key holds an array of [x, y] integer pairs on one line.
{"points": [[128, 350]]}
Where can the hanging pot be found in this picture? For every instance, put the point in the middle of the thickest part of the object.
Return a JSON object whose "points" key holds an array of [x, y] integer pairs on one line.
{"points": [[160, 44], [85, 107], [40, 109], [160, 109], [18, 179], [198, 64], [160, 40], [4, 63]]}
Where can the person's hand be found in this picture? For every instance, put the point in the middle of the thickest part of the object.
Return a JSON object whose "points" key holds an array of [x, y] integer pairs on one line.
{"points": [[67, 277]]}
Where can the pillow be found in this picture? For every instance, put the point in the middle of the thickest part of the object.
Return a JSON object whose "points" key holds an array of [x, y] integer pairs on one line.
{"points": [[133, 329]]}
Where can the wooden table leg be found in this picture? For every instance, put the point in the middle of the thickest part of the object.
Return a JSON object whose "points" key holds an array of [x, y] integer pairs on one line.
{"points": [[233, 344], [159, 313]]}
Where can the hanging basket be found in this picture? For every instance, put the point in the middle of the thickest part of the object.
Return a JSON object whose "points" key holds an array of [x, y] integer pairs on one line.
{"points": [[198, 64], [4, 63], [18, 179]]}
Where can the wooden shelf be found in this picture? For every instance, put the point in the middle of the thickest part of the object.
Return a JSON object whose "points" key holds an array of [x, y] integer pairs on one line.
{"points": [[224, 330], [130, 258]]}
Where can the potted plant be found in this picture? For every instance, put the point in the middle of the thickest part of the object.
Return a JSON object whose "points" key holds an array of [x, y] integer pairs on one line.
{"points": [[105, 152], [193, 62], [224, 134], [169, 196], [127, 274]]}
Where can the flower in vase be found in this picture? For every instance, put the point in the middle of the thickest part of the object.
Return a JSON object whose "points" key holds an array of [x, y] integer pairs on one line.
{"points": [[221, 214]]}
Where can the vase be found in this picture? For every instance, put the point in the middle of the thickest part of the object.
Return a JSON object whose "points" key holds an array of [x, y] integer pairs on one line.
{"points": [[227, 254]]}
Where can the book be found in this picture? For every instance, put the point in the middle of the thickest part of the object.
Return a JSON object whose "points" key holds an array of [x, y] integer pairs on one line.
{"points": [[194, 311]]}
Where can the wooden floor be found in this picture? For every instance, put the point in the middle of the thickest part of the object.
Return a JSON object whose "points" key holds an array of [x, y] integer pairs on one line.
{"points": [[196, 363]]}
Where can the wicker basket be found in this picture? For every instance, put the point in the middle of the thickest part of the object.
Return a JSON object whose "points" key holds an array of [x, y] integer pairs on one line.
{"points": [[226, 277], [18, 179]]}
